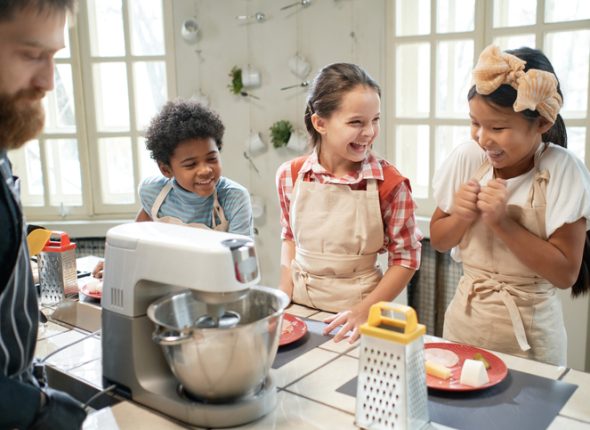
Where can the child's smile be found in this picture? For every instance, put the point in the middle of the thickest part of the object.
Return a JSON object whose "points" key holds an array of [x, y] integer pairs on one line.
{"points": [[348, 134], [196, 166], [508, 139]]}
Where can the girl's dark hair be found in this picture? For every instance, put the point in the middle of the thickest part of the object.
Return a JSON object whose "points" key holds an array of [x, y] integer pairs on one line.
{"points": [[181, 120], [328, 88], [505, 95], [582, 285]]}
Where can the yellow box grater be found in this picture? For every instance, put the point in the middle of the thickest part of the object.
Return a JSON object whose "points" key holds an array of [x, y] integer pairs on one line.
{"points": [[391, 390]]}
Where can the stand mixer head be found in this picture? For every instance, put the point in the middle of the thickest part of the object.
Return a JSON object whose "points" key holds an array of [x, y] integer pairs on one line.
{"points": [[201, 336]]}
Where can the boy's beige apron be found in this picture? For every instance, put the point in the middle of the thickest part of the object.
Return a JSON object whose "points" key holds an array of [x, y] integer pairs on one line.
{"points": [[501, 304], [217, 210], [338, 233]]}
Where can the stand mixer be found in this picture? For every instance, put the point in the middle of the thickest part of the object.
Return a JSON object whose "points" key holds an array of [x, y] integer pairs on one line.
{"points": [[185, 328]]}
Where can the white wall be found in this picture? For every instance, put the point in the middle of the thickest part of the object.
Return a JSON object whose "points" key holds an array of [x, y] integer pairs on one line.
{"points": [[327, 31]]}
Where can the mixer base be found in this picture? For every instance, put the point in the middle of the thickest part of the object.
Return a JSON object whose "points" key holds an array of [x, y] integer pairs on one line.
{"points": [[172, 401]]}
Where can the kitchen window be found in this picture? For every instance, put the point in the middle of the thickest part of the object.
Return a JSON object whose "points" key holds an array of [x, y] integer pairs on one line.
{"points": [[113, 76], [433, 47]]}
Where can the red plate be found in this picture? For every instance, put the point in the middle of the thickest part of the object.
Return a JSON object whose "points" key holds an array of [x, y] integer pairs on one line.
{"points": [[293, 329], [85, 285], [496, 373]]}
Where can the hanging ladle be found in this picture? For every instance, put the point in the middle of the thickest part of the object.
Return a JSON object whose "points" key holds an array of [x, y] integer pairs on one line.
{"points": [[302, 84], [303, 3]]}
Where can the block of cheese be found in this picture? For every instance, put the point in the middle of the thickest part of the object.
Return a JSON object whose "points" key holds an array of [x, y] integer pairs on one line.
{"points": [[437, 370], [473, 373]]}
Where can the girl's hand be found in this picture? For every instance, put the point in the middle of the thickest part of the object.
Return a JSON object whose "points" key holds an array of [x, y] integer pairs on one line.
{"points": [[350, 320], [465, 202], [492, 202], [98, 270]]}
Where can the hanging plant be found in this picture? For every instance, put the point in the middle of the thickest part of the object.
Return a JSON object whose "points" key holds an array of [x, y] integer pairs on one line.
{"points": [[280, 132], [236, 84]]}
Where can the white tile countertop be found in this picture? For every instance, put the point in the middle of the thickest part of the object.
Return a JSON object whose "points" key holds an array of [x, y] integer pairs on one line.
{"points": [[307, 385]]}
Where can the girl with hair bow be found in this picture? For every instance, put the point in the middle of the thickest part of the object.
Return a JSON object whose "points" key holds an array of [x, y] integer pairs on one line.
{"points": [[506, 207]]}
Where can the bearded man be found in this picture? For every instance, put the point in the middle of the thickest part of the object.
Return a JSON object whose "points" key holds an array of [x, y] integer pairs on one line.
{"points": [[31, 32]]}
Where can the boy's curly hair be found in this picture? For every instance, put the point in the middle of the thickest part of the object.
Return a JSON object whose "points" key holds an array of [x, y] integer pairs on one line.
{"points": [[181, 120]]}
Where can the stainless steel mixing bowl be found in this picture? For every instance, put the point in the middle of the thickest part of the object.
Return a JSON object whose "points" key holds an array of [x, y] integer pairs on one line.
{"points": [[220, 364]]}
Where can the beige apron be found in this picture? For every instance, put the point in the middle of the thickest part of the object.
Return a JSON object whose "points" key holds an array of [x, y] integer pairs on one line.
{"points": [[500, 304], [338, 233], [217, 211]]}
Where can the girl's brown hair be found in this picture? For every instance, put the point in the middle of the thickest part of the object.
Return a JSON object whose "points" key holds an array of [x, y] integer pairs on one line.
{"points": [[328, 89]]}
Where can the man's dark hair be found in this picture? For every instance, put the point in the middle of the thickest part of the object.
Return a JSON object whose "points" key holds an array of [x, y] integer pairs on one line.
{"points": [[9, 7]]}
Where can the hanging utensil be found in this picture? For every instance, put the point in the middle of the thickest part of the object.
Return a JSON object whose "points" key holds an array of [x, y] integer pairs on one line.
{"points": [[258, 17], [302, 84], [245, 94], [303, 3], [247, 157]]}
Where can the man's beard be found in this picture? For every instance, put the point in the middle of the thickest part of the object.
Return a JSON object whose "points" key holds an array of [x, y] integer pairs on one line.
{"points": [[21, 118]]}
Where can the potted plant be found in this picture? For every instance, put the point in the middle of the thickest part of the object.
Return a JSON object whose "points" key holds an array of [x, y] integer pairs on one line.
{"points": [[236, 86], [280, 132]]}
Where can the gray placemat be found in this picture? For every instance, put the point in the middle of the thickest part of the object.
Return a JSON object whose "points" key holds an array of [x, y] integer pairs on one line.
{"points": [[522, 401], [312, 338]]}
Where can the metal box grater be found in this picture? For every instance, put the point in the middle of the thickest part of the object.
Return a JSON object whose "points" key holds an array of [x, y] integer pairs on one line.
{"points": [[57, 269], [391, 390]]}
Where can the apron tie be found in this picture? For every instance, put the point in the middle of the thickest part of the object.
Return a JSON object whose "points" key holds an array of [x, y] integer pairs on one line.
{"points": [[486, 287]]}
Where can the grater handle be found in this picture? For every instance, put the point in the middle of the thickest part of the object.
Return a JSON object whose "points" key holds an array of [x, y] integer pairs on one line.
{"points": [[376, 317], [58, 240], [64, 239]]}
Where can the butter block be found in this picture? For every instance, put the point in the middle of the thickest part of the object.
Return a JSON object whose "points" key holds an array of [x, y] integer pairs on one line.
{"points": [[473, 373], [437, 370]]}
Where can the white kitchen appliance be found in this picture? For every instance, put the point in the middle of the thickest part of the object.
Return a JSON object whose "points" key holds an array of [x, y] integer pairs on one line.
{"points": [[149, 266], [391, 390]]}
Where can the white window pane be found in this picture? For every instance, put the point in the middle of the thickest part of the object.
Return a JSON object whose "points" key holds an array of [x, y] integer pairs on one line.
{"points": [[568, 52], [516, 41], [65, 52], [150, 90], [106, 28], [147, 32], [566, 10], [147, 165], [455, 15], [412, 17], [412, 156], [63, 172], [514, 13], [60, 111], [413, 80], [576, 141], [447, 138], [453, 77], [116, 170], [111, 96], [26, 164]]}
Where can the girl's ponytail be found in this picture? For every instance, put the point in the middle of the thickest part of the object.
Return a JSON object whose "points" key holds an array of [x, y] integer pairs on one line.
{"points": [[582, 285], [557, 134]]}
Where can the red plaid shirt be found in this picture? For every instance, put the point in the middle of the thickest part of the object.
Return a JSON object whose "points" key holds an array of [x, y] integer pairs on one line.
{"points": [[402, 236]]}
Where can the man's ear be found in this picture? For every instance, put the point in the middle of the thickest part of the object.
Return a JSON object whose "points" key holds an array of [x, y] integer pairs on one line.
{"points": [[165, 169], [318, 123]]}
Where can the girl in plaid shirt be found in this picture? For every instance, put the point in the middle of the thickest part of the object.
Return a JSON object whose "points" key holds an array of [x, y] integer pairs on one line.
{"points": [[342, 205]]}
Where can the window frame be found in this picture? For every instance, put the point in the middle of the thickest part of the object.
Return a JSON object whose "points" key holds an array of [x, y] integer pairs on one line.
{"points": [[482, 35], [86, 133]]}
